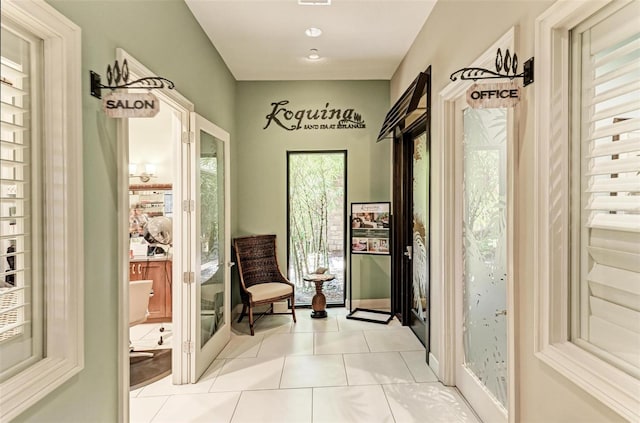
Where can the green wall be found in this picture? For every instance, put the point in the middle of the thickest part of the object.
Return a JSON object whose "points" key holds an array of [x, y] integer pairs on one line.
{"points": [[165, 37], [260, 161]]}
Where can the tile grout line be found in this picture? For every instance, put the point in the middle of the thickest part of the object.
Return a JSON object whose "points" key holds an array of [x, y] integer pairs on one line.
{"points": [[158, 410]]}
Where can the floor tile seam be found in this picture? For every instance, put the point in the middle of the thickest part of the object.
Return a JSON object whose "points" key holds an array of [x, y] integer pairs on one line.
{"points": [[235, 407], [366, 342], [407, 365], [284, 362], [386, 397], [159, 409]]}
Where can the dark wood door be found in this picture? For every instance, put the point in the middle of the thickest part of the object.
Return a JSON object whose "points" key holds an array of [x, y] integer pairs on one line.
{"points": [[411, 240]]}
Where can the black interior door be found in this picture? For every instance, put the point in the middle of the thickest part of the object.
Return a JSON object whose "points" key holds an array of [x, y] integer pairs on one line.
{"points": [[410, 296]]}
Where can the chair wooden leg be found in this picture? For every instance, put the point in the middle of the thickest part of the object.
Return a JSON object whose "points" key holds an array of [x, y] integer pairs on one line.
{"points": [[293, 309], [251, 320], [244, 310]]}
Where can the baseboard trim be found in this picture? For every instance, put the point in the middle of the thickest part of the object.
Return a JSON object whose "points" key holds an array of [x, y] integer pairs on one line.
{"points": [[435, 365], [375, 303]]}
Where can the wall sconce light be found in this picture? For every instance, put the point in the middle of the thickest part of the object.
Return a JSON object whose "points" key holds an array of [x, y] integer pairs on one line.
{"points": [[149, 172]]}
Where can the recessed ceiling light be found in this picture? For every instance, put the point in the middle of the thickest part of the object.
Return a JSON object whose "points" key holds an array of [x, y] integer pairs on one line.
{"points": [[313, 32], [313, 54], [314, 2]]}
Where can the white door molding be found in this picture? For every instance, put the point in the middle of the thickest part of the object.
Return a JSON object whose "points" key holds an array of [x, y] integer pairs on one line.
{"points": [[178, 102], [447, 231]]}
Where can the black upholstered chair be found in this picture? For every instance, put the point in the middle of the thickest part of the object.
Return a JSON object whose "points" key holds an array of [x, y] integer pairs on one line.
{"points": [[261, 281]]}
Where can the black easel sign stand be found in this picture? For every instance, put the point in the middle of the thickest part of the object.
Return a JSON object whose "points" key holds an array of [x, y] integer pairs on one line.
{"points": [[370, 231]]}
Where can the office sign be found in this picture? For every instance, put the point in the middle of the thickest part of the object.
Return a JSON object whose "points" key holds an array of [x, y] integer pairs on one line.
{"points": [[130, 105], [492, 96]]}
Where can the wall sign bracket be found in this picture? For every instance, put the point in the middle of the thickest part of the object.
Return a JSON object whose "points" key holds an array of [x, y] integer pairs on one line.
{"points": [[119, 76], [506, 63]]}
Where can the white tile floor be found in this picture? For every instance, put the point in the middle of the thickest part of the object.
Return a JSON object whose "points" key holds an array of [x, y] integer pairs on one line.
{"points": [[331, 370], [147, 335]]}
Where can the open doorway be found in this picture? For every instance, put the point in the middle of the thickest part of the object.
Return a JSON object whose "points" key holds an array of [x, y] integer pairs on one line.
{"points": [[316, 209], [188, 238], [152, 170]]}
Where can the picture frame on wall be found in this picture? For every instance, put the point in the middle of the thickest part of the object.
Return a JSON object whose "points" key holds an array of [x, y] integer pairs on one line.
{"points": [[370, 228]]}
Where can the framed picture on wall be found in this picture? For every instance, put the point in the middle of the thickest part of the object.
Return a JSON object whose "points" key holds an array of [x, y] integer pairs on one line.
{"points": [[370, 228]]}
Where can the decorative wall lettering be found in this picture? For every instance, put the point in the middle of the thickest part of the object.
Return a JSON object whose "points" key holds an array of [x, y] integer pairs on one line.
{"points": [[313, 119]]}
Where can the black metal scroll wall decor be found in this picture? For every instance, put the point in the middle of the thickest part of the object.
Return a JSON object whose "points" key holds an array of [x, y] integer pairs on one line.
{"points": [[119, 77], [506, 67]]}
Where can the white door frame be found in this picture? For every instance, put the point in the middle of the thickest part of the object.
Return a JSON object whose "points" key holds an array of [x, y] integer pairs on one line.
{"points": [[138, 70], [448, 262]]}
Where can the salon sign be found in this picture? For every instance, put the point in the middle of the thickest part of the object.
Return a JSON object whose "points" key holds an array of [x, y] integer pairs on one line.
{"points": [[492, 96], [130, 105]]}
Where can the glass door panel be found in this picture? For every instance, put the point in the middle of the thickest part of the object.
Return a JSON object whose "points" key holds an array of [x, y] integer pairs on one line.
{"points": [[420, 237], [484, 248], [212, 239], [209, 297]]}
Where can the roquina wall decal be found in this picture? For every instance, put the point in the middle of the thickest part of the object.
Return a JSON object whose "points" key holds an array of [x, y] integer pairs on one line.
{"points": [[327, 117]]}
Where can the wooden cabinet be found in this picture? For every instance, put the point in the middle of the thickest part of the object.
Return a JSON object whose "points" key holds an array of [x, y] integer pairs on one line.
{"points": [[159, 271]]}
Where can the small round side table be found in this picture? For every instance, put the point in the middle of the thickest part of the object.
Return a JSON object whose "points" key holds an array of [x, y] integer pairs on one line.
{"points": [[319, 301]]}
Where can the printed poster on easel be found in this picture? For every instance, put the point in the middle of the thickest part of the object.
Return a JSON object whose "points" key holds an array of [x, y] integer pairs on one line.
{"points": [[370, 228]]}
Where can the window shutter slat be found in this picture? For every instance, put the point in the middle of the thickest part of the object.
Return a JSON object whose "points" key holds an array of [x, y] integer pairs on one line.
{"points": [[618, 129], [617, 315], [614, 166], [615, 29], [615, 339], [614, 222], [616, 147], [616, 54], [625, 72], [624, 241], [617, 110], [630, 183], [628, 203], [622, 280], [619, 259]]}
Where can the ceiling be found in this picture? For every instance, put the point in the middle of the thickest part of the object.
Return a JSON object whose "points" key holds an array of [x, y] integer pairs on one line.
{"points": [[265, 39]]}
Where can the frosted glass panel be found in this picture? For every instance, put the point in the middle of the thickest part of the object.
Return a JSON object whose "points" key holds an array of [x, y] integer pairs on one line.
{"points": [[485, 248], [420, 270]]}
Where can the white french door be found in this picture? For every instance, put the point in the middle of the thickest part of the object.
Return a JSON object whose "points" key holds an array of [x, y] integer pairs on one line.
{"points": [[206, 320], [482, 220], [201, 239]]}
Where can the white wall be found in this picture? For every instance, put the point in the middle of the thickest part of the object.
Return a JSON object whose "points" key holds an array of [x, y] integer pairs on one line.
{"points": [[150, 142], [455, 34]]}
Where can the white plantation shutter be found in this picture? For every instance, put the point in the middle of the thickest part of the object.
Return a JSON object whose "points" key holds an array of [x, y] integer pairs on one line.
{"points": [[609, 300], [14, 205], [19, 339]]}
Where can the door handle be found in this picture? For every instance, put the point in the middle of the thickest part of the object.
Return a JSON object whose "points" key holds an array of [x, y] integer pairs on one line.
{"points": [[409, 252], [231, 263], [501, 313]]}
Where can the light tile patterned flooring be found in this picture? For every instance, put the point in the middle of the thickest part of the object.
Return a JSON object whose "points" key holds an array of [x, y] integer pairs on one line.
{"points": [[330, 370]]}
